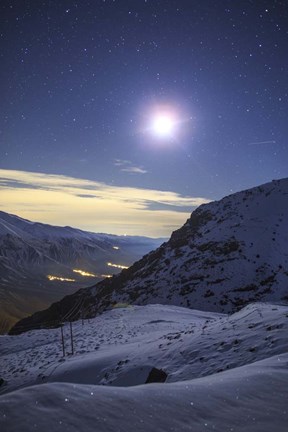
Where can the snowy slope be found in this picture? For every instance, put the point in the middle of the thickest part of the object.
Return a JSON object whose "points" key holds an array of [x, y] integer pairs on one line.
{"points": [[228, 254], [240, 401], [30, 252], [113, 347], [224, 372]]}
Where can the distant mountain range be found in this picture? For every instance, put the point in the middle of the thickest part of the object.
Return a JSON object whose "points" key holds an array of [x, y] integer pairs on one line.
{"points": [[40, 263], [229, 253]]}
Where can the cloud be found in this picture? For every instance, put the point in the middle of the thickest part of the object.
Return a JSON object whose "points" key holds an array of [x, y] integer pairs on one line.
{"points": [[87, 196], [94, 206], [262, 142], [127, 166], [134, 170], [121, 162]]}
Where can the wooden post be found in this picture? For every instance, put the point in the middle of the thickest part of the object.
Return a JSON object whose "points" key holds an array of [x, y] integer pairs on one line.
{"points": [[71, 334], [62, 337], [82, 319]]}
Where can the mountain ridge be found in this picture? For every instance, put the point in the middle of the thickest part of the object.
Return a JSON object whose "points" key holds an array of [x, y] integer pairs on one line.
{"points": [[40, 263], [229, 253]]}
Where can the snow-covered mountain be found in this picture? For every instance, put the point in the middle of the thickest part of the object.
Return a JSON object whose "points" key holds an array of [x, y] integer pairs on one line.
{"points": [[228, 254], [41, 263], [223, 372], [224, 366]]}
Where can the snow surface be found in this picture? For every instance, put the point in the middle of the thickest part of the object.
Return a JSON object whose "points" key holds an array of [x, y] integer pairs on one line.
{"points": [[225, 373], [251, 398]]}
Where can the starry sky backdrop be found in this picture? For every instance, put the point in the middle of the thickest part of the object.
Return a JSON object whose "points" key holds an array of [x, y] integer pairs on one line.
{"points": [[79, 80]]}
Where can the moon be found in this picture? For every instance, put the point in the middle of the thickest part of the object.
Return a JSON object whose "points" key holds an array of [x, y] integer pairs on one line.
{"points": [[164, 122], [163, 125]]}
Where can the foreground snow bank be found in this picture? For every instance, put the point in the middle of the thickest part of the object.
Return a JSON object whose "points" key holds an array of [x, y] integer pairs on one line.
{"points": [[250, 398], [120, 347]]}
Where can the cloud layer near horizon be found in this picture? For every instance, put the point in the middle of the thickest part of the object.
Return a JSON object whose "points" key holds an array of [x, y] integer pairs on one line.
{"points": [[93, 206]]}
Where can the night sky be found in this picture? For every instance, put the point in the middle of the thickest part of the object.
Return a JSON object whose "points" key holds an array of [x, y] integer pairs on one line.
{"points": [[81, 84]]}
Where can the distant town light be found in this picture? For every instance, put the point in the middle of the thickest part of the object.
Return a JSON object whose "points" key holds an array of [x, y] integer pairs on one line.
{"points": [[116, 265], [84, 273], [59, 278]]}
